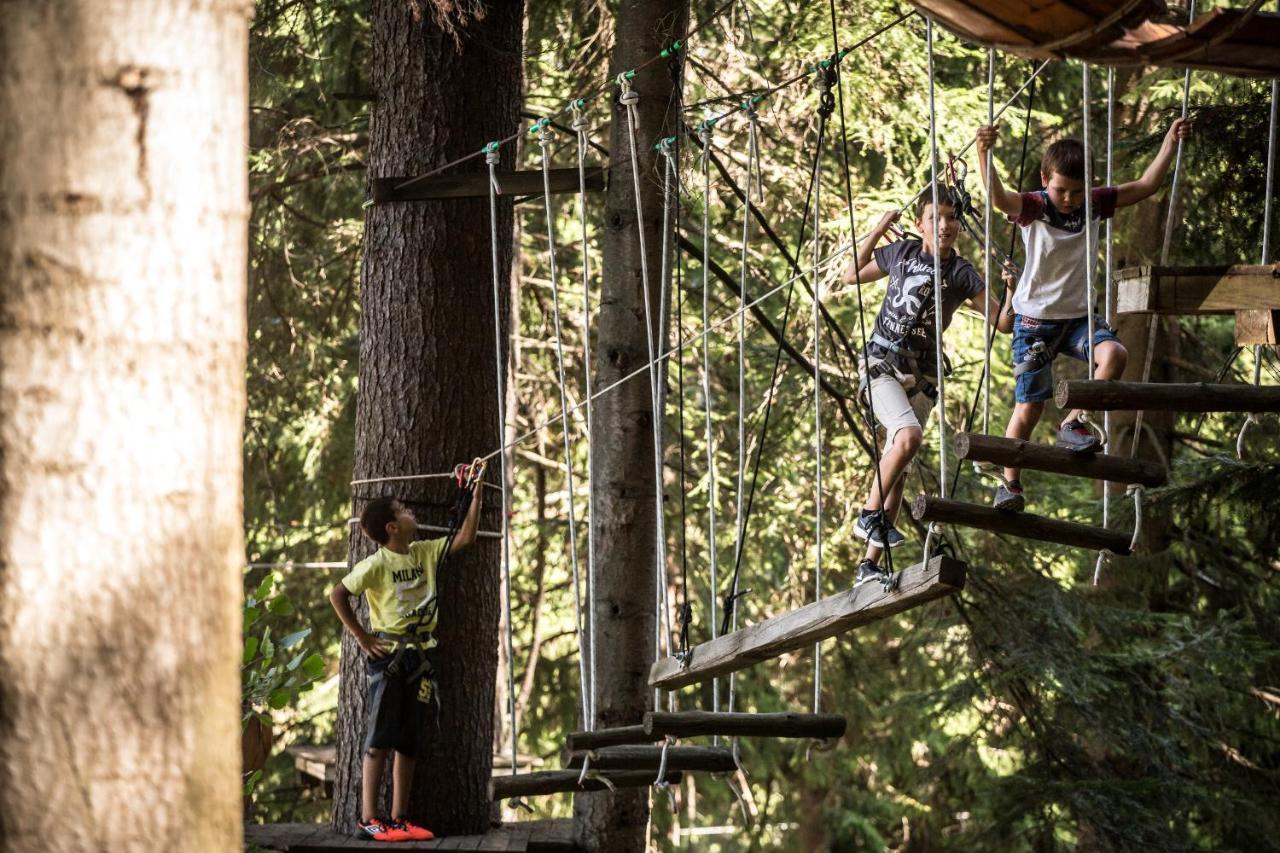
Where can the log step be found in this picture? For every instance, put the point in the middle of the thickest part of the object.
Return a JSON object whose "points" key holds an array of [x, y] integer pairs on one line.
{"points": [[662, 724], [1025, 525], [566, 781], [579, 741], [1016, 453], [809, 624], [706, 759], [1098, 395]]}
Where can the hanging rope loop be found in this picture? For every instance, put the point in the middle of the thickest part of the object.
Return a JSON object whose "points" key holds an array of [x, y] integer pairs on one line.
{"points": [[1135, 491], [1251, 418]]}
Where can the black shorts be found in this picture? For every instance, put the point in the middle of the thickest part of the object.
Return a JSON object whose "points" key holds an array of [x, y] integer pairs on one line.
{"points": [[402, 710]]}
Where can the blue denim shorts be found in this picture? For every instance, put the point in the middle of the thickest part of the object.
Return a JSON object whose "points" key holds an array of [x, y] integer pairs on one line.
{"points": [[1036, 386]]}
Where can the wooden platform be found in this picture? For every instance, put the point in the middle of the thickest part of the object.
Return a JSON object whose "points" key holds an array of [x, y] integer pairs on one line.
{"points": [[315, 763], [1015, 453], [809, 624], [1023, 524], [1098, 396], [526, 182], [1197, 290], [535, 836]]}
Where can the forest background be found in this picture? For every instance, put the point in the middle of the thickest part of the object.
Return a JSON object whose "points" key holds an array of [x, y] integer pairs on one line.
{"points": [[1031, 712]]}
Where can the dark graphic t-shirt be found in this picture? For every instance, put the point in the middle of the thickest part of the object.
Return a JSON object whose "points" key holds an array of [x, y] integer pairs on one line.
{"points": [[907, 316]]}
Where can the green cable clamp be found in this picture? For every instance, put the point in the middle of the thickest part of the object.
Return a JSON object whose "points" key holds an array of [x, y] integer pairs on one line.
{"points": [[707, 125], [492, 146], [672, 50], [664, 144], [750, 103], [540, 124], [629, 75]]}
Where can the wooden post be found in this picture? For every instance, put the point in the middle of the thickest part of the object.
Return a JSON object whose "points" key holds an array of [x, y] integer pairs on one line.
{"points": [[1197, 290], [565, 781], [705, 759], [1015, 453], [578, 741], [1025, 525], [1098, 395], [661, 724], [1257, 327], [809, 624]]}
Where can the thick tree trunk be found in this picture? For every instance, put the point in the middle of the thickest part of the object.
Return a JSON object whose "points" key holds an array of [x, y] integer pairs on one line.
{"points": [[428, 390], [623, 515], [123, 209]]}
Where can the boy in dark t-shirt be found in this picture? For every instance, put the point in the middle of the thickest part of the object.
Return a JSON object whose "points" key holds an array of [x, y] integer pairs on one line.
{"points": [[899, 370]]}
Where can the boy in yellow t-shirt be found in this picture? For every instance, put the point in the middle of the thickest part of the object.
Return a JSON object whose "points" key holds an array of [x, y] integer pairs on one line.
{"points": [[399, 583]]}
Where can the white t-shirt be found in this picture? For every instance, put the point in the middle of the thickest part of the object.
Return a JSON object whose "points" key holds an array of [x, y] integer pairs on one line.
{"points": [[1053, 284]]}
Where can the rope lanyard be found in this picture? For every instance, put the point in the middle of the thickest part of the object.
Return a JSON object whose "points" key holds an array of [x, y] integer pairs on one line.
{"points": [[705, 132], [986, 255], [664, 284], [491, 158], [827, 105], [544, 140], [937, 277], [580, 128]]}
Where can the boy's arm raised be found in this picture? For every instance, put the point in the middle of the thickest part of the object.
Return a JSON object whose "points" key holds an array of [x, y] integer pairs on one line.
{"points": [[864, 268], [1146, 186], [1007, 201], [466, 534]]}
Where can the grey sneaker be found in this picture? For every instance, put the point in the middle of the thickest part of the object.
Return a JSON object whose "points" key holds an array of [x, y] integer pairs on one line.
{"points": [[867, 571], [874, 528], [1077, 437], [1009, 497]]}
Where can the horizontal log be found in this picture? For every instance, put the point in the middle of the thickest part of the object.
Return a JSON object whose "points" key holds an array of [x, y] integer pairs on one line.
{"points": [[1098, 395], [476, 185], [1197, 290], [696, 723], [1023, 524], [706, 759], [1016, 453], [1257, 327], [578, 741], [566, 781], [809, 624]]}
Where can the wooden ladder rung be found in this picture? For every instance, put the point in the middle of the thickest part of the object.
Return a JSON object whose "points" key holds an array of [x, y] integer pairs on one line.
{"points": [[1023, 524], [1016, 453], [566, 781], [1197, 397], [705, 759], [699, 723], [578, 741]]}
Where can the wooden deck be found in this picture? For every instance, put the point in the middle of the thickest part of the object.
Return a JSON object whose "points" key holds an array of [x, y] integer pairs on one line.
{"points": [[534, 836]]}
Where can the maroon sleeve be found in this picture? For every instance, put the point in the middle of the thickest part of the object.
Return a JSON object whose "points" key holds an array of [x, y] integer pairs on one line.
{"points": [[1032, 208], [1104, 202]]}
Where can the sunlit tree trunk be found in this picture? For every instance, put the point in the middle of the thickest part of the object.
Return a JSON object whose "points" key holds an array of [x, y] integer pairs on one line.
{"points": [[428, 390], [123, 211]]}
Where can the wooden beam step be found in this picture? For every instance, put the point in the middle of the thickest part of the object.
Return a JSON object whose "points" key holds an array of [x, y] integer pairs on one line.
{"points": [[926, 508], [1197, 290], [579, 741], [526, 182], [1097, 395], [662, 724], [566, 781], [706, 759], [1016, 453], [809, 624]]}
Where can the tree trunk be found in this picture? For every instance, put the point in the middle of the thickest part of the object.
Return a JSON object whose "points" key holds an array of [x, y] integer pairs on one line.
{"points": [[428, 391], [623, 515], [123, 209]]}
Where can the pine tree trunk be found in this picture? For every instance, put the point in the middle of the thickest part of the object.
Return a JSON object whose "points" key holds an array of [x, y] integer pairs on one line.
{"points": [[123, 209], [623, 515], [428, 391]]}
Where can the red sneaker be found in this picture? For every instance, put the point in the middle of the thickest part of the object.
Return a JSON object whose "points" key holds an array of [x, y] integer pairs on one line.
{"points": [[417, 833], [383, 830]]}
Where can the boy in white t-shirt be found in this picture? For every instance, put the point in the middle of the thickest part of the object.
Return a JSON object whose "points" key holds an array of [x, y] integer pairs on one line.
{"points": [[1051, 310]]}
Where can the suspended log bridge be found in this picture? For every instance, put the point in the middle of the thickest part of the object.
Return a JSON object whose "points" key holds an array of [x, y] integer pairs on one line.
{"points": [[809, 624], [526, 182], [1022, 524], [1197, 290], [566, 781], [660, 724], [579, 741], [1016, 453], [705, 759], [1097, 395]]}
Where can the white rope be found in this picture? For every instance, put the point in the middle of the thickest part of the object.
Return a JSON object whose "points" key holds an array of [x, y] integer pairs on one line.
{"points": [[406, 477], [1090, 250], [668, 175], [705, 132], [817, 416], [1108, 298], [544, 140], [937, 289], [491, 157], [986, 256], [580, 128]]}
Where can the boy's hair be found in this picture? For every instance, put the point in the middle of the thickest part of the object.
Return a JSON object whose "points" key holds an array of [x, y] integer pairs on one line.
{"points": [[946, 195], [378, 513], [1066, 157]]}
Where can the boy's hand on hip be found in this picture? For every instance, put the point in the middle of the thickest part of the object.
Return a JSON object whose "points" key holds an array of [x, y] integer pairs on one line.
{"points": [[986, 139], [373, 646]]}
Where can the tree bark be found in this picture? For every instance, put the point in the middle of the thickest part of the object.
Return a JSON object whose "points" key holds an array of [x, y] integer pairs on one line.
{"points": [[428, 390], [623, 515], [123, 210]]}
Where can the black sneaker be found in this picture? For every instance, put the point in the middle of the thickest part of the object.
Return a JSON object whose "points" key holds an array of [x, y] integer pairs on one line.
{"points": [[892, 536], [1075, 436], [867, 571], [871, 527], [1009, 497]]}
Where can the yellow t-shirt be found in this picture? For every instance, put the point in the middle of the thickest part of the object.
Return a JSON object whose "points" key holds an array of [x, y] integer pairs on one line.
{"points": [[397, 586]]}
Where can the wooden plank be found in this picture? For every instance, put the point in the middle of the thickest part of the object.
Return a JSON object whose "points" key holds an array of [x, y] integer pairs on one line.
{"points": [[1015, 453], [578, 741], [1257, 327], [1197, 290], [1097, 395], [1023, 524], [695, 758], [526, 182], [550, 836], [698, 723], [566, 781], [319, 838], [809, 624]]}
